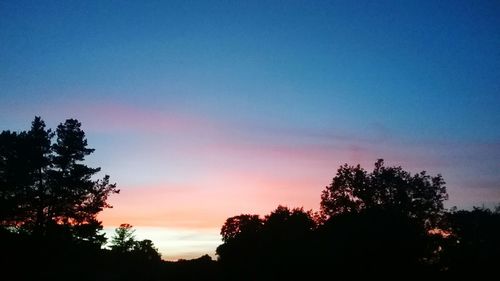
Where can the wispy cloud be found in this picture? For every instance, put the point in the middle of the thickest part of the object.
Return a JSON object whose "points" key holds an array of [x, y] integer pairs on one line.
{"points": [[195, 170]]}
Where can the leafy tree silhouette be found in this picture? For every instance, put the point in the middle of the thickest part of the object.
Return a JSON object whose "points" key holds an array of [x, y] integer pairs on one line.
{"points": [[286, 237], [266, 249], [241, 226], [146, 250], [418, 196], [242, 246], [380, 220]]}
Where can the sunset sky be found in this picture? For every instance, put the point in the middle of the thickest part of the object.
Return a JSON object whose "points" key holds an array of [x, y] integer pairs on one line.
{"points": [[201, 110]]}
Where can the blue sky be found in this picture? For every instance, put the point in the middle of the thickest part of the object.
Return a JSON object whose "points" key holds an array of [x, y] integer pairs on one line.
{"points": [[190, 97]]}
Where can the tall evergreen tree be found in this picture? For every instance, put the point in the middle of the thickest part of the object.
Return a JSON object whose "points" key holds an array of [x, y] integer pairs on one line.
{"points": [[124, 239], [38, 149], [13, 179], [46, 186], [25, 159]]}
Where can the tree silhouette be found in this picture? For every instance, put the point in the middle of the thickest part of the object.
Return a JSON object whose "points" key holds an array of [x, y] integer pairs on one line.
{"points": [[123, 239], [39, 153], [242, 246], [266, 249], [46, 188], [371, 225], [287, 237], [146, 250], [242, 225], [352, 190], [14, 181], [24, 162]]}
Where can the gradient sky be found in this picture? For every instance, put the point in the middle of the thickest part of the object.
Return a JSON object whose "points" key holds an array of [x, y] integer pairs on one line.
{"points": [[201, 110]]}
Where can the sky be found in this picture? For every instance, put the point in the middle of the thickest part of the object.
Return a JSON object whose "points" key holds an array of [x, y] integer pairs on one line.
{"points": [[202, 110]]}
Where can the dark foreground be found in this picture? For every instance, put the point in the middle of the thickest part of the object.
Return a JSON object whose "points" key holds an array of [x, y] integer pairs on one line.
{"points": [[369, 245]]}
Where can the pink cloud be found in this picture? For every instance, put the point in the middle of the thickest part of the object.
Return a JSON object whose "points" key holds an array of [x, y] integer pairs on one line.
{"points": [[231, 169], [207, 204]]}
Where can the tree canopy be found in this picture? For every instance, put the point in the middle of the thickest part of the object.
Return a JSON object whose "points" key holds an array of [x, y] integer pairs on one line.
{"points": [[244, 225], [353, 189]]}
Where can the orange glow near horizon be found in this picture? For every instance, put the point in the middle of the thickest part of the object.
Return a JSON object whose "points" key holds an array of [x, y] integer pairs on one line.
{"points": [[206, 206], [185, 221], [180, 172]]}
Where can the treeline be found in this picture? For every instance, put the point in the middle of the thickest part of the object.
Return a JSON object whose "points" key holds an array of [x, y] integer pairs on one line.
{"points": [[384, 223], [289, 244], [30, 257]]}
